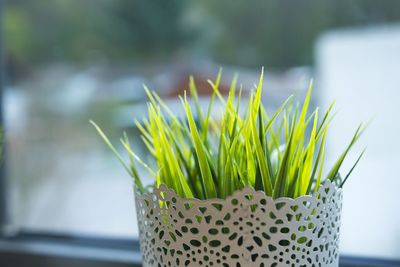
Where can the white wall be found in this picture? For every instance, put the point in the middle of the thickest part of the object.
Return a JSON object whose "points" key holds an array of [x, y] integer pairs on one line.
{"points": [[360, 68]]}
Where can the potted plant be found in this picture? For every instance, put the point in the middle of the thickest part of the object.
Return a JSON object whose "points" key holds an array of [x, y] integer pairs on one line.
{"points": [[245, 190]]}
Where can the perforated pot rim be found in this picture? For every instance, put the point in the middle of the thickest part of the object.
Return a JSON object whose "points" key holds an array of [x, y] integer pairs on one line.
{"points": [[164, 188]]}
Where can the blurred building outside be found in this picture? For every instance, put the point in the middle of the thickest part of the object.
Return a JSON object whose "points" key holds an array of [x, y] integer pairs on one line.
{"points": [[359, 68]]}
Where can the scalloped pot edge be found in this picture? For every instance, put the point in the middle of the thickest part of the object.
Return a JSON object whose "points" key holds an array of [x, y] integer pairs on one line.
{"points": [[247, 228]]}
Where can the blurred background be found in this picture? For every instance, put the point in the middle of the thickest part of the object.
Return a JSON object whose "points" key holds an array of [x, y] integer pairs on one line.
{"points": [[69, 61]]}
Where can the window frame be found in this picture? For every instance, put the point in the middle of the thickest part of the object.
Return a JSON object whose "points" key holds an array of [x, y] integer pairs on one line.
{"points": [[3, 185], [19, 247]]}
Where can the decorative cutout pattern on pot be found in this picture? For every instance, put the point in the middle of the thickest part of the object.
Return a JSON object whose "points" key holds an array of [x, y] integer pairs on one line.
{"points": [[246, 229]]}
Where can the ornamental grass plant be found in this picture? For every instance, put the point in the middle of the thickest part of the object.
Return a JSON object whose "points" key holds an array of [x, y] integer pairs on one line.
{"points": [[198, 156]]}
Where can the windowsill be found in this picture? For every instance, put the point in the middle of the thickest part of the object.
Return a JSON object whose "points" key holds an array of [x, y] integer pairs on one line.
{"points": [[46, 250]]}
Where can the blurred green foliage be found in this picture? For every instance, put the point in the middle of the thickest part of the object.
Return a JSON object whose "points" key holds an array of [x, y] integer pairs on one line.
{"points": [[281, 33], [275, 33]]}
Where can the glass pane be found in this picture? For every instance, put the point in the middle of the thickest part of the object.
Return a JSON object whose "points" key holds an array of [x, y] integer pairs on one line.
{"points": [[359, 68], [69, 61]]}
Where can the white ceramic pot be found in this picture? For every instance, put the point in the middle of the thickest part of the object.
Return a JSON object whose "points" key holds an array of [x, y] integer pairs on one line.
{"points": [[246, 229]]}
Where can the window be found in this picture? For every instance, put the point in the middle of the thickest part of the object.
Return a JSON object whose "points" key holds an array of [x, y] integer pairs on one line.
{"points": [[69, 61]]}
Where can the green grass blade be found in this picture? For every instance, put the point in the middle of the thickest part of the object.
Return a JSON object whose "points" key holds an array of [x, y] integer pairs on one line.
{"points": [[319, 177], [352, 168], [215, 86], [308, 163], [282, 176], [282, 179], [111, 146], [335, 169], [319, 161], [195, 97], [174, 176], [263, 166], [325, 120], [132, 155], [207, 179]]}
